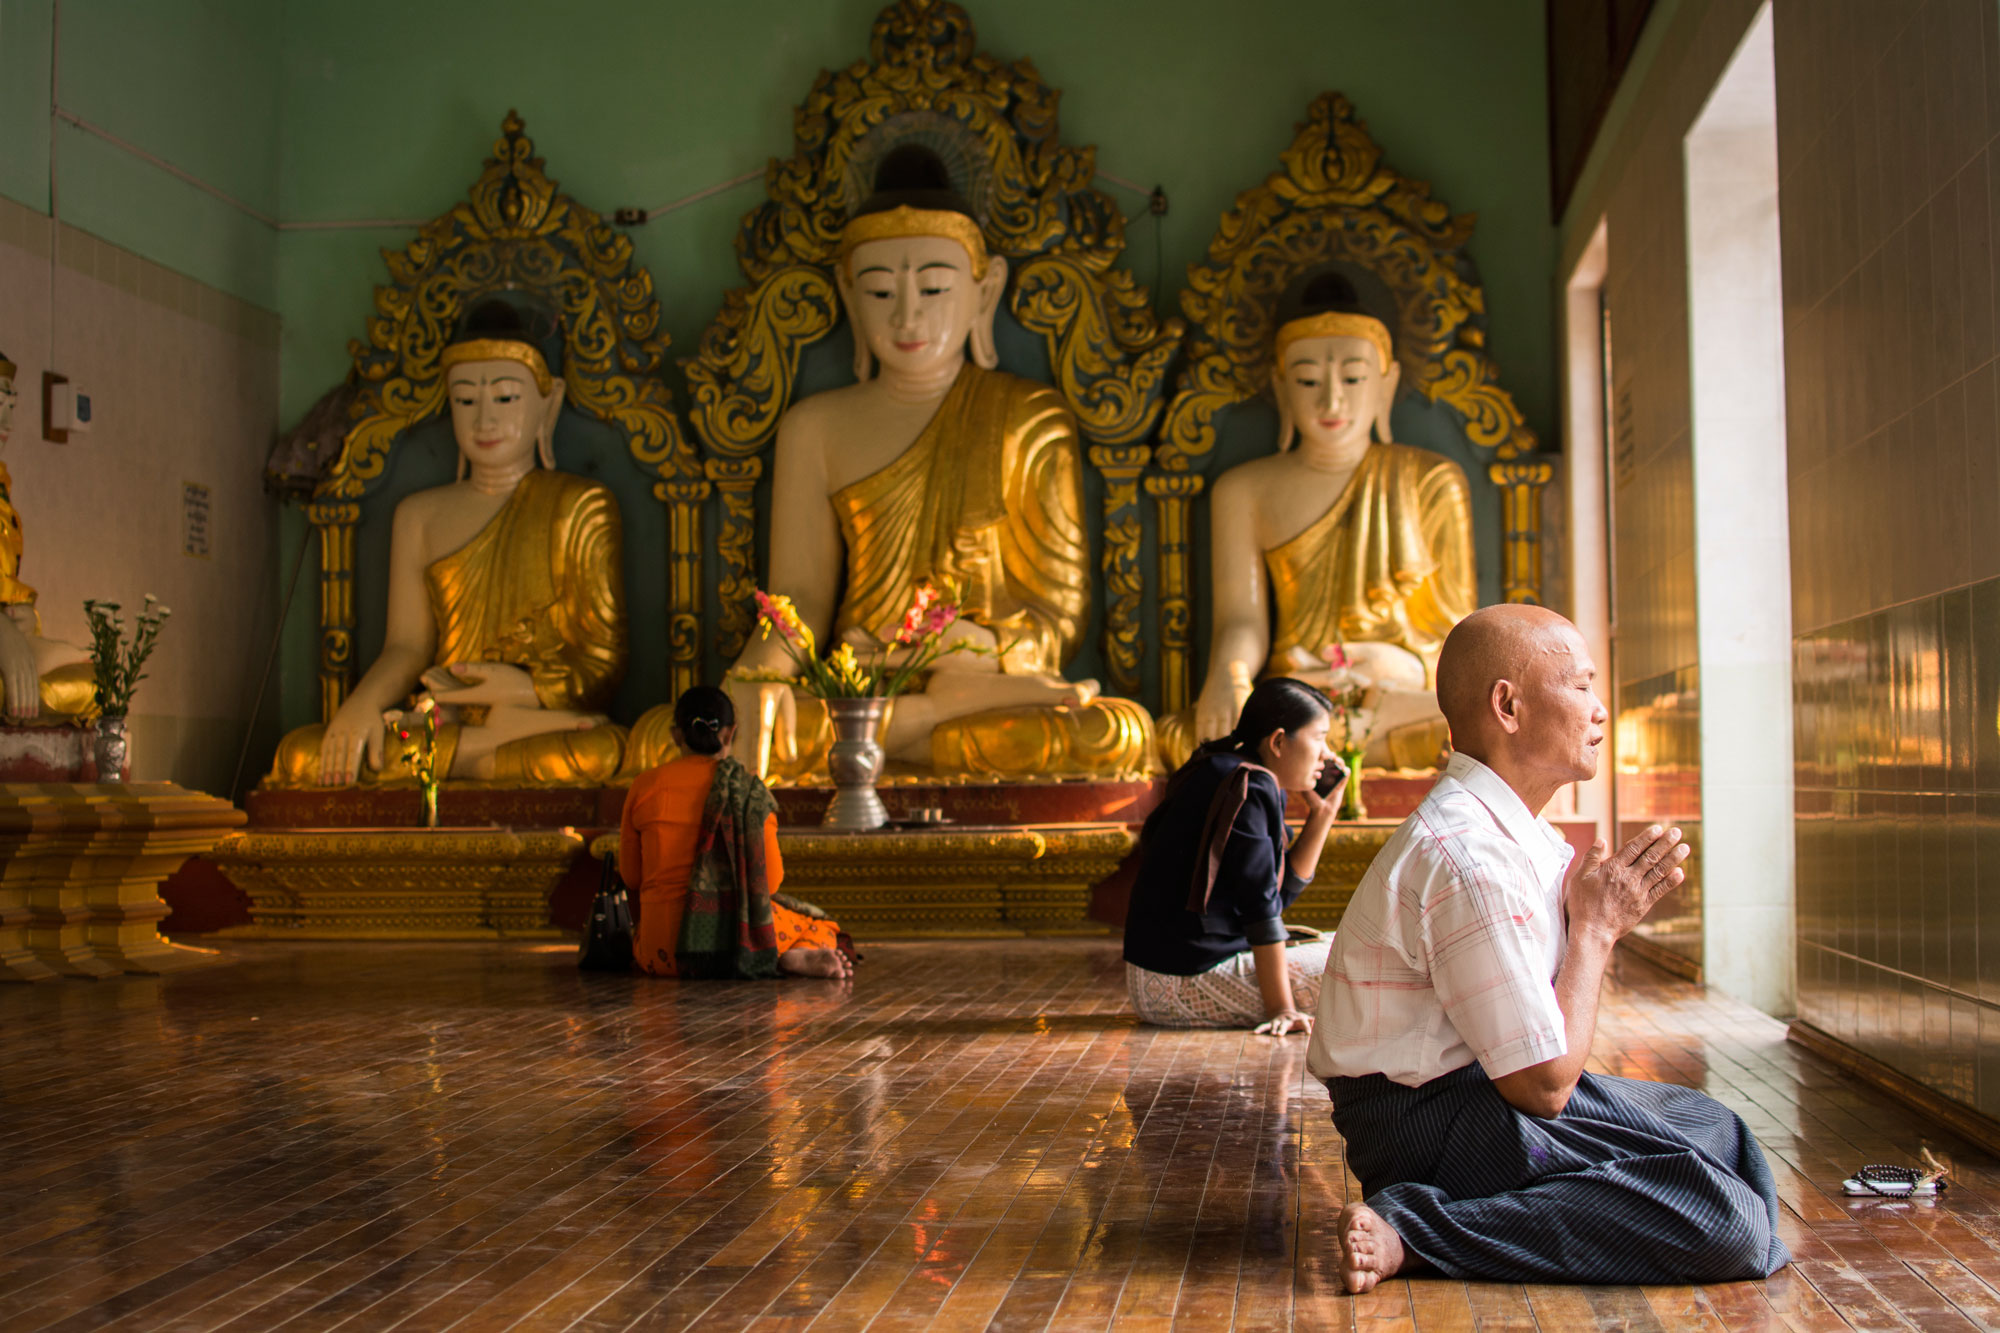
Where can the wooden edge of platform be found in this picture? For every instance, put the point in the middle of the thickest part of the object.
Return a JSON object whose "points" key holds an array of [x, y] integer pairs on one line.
{"points": [[1966, 1122]]}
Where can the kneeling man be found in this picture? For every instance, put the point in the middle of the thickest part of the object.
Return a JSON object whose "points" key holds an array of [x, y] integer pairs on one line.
{"points": [[1459, 1006]]}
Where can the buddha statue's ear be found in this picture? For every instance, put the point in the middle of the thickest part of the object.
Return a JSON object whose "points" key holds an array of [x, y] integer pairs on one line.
{"points": [[864, 356], [545, 440], [1288, 429], [985, 351], [1390, 380]]}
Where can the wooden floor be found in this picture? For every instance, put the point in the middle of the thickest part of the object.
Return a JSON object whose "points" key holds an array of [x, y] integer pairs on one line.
{"points": [[970, 1136]]}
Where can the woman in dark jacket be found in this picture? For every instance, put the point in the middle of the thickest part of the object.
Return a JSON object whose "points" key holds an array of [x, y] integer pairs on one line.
{"points": [[1205, 938]]}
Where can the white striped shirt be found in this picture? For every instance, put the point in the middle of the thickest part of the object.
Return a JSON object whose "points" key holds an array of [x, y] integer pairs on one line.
{"points": [[1448, 951]]}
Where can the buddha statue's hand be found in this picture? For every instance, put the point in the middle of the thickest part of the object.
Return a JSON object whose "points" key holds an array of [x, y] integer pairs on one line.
{"points": [[1221, 702], [352, 733], [17, 670], [495, 684]]}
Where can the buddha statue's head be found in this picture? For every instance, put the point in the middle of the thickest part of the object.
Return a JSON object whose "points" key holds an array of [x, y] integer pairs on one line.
{"points": [[504, 401], [914, 272], [7, 397], [1334, 370]]}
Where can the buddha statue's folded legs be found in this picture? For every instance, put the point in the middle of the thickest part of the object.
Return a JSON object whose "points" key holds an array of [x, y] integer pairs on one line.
{"points": [[587, 754]]}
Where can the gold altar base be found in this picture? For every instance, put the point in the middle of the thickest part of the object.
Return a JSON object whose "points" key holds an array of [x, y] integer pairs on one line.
{"points": [[957, 882], [398, 883], [988, 882], [1342, 862], [80, 868]]}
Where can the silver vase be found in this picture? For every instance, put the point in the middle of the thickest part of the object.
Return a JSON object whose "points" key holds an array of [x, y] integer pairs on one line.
{"points": [[110, 746], [854, 761]]}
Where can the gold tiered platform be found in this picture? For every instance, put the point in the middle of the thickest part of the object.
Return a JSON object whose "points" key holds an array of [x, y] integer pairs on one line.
{"points": [[80, 869], [951, 882], [398, 883]]}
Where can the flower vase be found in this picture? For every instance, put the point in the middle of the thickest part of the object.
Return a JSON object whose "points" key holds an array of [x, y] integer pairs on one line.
{"points": [[1351, 805], [111, 746], [430, 790], [854, 762]]}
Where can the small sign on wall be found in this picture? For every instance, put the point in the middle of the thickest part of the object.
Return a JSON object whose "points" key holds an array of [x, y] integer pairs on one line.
{"points": [[194, 519]]}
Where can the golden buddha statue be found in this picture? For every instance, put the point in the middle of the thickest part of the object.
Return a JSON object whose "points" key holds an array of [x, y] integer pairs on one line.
{"points": [[506, 596], [934, 467], [1345, 541], [40, 679]]}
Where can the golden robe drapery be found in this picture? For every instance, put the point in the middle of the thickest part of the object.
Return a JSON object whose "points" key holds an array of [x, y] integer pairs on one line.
{"points": [[1390, 562], [989, 497], [540, 587]]}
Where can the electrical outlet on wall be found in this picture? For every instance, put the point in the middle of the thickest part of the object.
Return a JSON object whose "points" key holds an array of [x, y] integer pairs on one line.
{"points": [[66, 408]]}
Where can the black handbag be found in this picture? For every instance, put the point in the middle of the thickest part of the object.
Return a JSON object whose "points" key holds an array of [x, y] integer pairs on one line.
{"points": [[607, 936]]}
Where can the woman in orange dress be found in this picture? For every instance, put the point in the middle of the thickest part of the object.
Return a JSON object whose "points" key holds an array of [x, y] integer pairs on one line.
{"points": [[698, 848]]}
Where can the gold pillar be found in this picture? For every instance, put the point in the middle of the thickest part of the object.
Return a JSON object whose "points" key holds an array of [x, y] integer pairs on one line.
{"points": [[335, 521], [88, 860], [1521, 484], [1124, 584], [1173, 493], [684, 582], [736, 549]]}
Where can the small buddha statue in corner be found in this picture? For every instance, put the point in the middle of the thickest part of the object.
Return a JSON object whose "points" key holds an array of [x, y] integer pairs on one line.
{"points": [[506, 595], [1346, 540], [40, 679], [934, 467]]}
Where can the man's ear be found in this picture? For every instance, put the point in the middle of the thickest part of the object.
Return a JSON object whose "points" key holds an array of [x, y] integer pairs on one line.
{"points": [[1506, 704]]}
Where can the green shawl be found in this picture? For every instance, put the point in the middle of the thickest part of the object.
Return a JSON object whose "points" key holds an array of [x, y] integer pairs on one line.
{"points": [[727, 931]]}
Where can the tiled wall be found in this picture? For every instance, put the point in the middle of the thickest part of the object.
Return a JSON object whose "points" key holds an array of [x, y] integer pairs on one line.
{"points": [[1887, 120], [184, 381]]}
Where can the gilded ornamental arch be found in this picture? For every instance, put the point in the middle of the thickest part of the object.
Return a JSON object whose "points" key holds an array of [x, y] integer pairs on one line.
{"points": [[995, 125], [1334, 200], [515, 231]]}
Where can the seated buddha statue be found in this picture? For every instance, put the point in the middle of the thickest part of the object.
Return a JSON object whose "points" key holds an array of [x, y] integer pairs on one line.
{"points": [[935, 467], [506, 596], [1347, 541], [40, 679]]}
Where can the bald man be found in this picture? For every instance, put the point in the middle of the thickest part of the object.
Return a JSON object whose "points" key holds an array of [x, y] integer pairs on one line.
{"points": [[1459, 1004]]}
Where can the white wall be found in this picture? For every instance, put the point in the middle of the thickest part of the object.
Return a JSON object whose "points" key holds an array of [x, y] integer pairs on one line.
{"points": [[184, 382], [1743, 593]]}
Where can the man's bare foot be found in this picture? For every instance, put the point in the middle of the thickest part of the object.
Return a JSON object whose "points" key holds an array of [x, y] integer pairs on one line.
{"points": [[830, 963], [1370, 1249]]}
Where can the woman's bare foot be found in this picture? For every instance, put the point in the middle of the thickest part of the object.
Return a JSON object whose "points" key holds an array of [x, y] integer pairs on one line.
{"points": [[830, 963], [1370, 1249]]}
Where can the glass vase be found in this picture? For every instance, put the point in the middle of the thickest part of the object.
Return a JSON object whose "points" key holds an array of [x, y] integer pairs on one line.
{"points": [[854, 762]]}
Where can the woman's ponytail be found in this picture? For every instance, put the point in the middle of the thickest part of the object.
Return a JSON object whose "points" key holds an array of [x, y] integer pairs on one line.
{"points": [[703, 713]]}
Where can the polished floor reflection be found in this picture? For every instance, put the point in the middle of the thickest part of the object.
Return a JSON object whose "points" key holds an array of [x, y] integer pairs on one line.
{"points": [[970, 1136]]}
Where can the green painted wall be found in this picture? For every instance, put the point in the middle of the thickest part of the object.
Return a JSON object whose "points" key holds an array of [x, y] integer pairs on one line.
{"points": [[388, 109], [194, 82]]}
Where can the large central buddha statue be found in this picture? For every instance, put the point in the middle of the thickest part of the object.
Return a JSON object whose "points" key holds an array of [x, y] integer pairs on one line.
{"points": [[506, 595], [936, 467], [1343, 540]]}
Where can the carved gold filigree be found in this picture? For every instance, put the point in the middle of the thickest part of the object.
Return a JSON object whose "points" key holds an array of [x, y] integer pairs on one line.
{"points": [[1173, 493], [1061, 237], [1334, 199], [1124, 582], [515, 231], [1521, 483]]}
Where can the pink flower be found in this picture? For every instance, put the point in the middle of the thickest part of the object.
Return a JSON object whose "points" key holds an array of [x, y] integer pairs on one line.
{"points": [[1336, 656]]}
